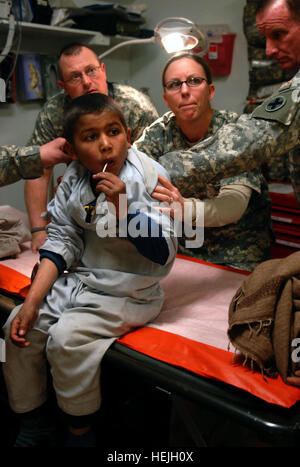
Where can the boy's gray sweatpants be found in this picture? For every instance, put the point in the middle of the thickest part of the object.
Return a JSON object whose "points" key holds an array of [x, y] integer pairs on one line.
{"points": [[73, 336]]}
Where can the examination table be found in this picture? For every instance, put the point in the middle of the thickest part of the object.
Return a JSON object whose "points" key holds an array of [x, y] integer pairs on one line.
{"points": [[185, 356]]}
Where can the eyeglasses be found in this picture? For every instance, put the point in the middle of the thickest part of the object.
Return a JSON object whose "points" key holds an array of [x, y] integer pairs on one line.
{"points": [[192, 82], [76, 78]]}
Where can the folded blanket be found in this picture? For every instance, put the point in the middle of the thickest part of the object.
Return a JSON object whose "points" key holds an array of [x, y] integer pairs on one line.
{"points": [[12, 233], [264, 316]]}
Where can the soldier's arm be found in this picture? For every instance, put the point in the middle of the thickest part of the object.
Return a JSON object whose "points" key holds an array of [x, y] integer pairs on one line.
{"points": [[44, 129], [151, 142], [36, 191], [28, 162], [145, 119], [294, 169], [36, 198], [238, 147], [145, 114], [227, 207], [17, 163]]}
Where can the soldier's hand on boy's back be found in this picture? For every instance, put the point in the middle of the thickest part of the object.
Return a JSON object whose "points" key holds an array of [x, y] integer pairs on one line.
{"points": [[112, 186]]}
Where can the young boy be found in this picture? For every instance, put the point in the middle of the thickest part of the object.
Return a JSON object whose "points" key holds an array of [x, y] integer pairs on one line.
{"points": [[112, 284]]}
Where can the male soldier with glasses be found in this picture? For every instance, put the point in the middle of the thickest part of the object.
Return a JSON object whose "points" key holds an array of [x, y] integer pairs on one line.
{"points": [[80, 73]]}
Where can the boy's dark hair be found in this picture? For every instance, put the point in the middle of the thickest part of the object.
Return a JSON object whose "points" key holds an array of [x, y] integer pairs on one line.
{"points": [[192, 56], [95, 103]]}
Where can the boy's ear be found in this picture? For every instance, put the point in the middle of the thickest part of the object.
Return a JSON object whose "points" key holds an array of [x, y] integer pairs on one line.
{"points": [[68, 148]]}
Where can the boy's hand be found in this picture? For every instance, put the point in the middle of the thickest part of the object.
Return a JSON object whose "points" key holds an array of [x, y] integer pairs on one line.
{"points": [[112, 186], [21, 324]]}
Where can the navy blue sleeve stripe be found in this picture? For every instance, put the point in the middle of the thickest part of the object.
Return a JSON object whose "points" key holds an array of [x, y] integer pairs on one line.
{"points": [[57, 259], [154, 248]]}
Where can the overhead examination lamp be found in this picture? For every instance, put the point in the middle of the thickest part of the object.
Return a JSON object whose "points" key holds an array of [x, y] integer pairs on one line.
{"points": [[174, 35]]}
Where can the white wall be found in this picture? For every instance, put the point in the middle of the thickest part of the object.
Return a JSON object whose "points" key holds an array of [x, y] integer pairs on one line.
{"points": [[144, 70]]}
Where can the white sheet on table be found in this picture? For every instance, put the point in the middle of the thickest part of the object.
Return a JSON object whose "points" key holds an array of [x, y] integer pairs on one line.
{"points": [[197, 302]]}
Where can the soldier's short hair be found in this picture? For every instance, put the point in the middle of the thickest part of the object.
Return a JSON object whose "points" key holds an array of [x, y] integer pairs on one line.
{"points": [[192, 56], [95, 103], [72, 49], [293, 5]]}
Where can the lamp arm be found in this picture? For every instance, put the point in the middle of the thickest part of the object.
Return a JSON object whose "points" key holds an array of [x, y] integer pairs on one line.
{"points": [[150, 40]]}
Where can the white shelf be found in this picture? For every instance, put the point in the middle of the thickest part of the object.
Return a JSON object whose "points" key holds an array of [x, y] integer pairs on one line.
{"points": [[47, 30], [49, 39]]}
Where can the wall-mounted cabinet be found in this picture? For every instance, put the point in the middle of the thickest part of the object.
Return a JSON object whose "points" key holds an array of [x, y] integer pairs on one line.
{"points": [[45, 39]]}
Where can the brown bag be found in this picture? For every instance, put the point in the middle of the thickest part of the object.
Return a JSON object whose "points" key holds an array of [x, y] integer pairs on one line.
{"points": [[264, 316]]}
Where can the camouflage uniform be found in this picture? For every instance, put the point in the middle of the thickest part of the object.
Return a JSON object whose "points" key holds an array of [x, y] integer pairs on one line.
{"points": [[136, 106], [17, 163], [265, 77], [244, 145], [243, 244]]}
